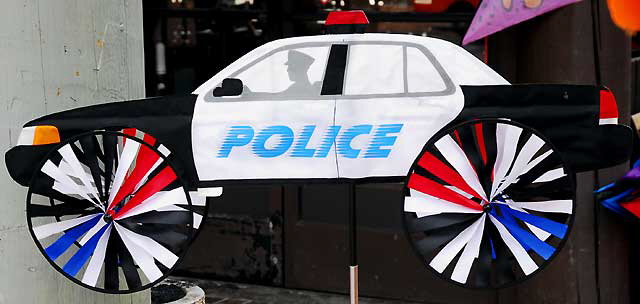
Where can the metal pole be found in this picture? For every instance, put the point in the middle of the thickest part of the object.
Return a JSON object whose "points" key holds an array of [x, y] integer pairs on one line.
{"points": [[353, 249]]}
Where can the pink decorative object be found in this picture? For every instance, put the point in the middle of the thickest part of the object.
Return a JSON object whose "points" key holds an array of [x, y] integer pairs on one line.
{"points": [[496, 15]]}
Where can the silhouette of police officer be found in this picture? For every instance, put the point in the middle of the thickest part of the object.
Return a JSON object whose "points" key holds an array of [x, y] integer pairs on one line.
{"points": [[298, 64]]}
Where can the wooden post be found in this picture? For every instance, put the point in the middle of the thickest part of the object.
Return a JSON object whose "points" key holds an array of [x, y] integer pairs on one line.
{"points": [[57, 55], [577, 44]]}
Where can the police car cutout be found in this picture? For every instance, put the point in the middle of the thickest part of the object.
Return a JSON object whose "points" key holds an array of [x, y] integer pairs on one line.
{"points": [[487, 166]]}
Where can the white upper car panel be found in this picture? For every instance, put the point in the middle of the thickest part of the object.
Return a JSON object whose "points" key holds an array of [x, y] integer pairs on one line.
{"points": [[396, 92], [461, 66]]}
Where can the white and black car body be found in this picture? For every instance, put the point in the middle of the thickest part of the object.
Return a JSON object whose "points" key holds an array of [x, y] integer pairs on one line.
{"points": [[345, 107], [383, 96]]}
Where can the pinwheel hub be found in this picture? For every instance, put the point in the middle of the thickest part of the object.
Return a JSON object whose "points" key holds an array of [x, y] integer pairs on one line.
{"points": [[107, 218], [486, 208]]}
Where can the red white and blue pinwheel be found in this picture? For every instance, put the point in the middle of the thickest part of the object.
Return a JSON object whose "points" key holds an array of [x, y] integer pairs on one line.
{"points": [[488, 203], [106, 205]]}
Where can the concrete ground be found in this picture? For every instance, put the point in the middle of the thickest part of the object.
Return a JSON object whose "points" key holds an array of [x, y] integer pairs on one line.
{"points": [[218, 292]]}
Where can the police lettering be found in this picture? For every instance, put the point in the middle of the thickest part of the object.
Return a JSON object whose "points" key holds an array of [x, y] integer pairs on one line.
{"points": [[381, 139]]}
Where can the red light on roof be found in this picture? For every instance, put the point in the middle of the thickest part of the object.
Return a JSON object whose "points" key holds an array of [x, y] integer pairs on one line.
{"points": [[346, 17]]}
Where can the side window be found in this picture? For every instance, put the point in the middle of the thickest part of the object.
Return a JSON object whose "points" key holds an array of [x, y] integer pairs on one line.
{"points": [[374, 69], [422, 76], [391, 69], [290, 73]]}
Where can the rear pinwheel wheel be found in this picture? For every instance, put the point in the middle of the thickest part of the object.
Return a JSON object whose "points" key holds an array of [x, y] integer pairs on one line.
{"points": [[109, 212], [488, 203]]}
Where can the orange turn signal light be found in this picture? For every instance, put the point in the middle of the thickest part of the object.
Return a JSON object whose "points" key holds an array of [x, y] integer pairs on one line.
{"points": [[44, 135]]}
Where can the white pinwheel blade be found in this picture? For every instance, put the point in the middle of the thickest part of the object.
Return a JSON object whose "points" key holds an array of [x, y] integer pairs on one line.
{"points": [[527, 264], [126, 158], [66, 182], [69, 190], [469, 254], [539, 233], [142, 258], [92, 272], [197, 199], [449, 252], [554, 206], [157, 251], [171, 208], [95, 229], [506, 137], [46, 230], [458, 159], [78, 170], [425, 205], [550, 175], [197, 220], [530, 148], [457, 190], [157, 201], [536, 161]]}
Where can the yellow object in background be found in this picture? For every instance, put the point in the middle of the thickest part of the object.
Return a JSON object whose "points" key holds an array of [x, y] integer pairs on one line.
{"points": [[625, 14]]}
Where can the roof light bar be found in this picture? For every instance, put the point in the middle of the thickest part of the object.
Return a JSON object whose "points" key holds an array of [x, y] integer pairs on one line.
{"points": [[346, 22], [346, 17]]}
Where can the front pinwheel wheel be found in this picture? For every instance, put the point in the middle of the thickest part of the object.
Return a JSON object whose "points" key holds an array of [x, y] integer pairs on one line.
{"points": [[488, 203], [108, 211]]}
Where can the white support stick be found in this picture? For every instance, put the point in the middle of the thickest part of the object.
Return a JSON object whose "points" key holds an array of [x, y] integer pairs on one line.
{"points": [[353, 279]]}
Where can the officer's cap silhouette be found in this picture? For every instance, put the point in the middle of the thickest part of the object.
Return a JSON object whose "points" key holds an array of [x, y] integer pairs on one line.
{"points": [[299, 58]]}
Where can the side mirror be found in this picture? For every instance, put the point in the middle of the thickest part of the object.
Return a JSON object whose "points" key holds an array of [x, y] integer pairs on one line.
{"points": [[230, 87]]}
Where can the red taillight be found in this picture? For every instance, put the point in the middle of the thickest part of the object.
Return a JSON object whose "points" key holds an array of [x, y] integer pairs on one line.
{"points": [[608, 108], [346, 17]]}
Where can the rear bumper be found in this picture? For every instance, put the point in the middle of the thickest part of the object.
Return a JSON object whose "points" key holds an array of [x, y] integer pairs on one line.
{"points": [[22, 161], [612, 145], [579, 120]]}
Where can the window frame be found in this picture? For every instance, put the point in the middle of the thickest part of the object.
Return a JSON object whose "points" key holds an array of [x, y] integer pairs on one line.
{"points": [[449, 89], [273, 96]]}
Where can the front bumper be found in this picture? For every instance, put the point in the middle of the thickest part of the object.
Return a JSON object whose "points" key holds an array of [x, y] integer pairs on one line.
{"points": [[22, 161]]}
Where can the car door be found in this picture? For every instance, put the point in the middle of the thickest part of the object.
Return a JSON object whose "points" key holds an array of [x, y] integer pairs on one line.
{"points": [[395, 97], [275, 129]]}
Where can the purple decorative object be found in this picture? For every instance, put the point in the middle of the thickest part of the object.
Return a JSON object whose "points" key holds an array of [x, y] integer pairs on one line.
{"points": [[633, 173], [496, 15]]}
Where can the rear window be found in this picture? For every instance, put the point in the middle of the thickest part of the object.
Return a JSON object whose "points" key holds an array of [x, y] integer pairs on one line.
{"points": [[381, 69], [374, 69], [422, 76]]}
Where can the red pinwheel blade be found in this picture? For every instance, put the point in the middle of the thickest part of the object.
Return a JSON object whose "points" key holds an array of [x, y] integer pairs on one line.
{"points": [[157, 183], [444, 172], [144, 162], [434, 189]]}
